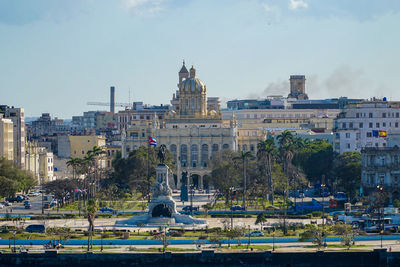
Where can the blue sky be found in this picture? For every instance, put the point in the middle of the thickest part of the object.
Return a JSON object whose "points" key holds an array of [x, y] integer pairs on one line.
{"points": [[57, 55]]}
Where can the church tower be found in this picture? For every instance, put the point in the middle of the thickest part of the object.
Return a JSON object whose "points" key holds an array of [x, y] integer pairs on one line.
{"points": [[192, 96]]}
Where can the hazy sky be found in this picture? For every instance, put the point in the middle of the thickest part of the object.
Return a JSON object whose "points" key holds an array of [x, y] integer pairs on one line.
{"points": [[57, 55]]}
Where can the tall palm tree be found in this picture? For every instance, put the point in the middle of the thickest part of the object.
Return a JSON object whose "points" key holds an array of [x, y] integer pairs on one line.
{"points": [[92, 158], [74, 163], [244, 156], [287, 148], [265, 154]]}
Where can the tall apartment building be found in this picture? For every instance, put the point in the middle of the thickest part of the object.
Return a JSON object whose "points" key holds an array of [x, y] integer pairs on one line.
{"points": [[365, 124], [6, 139], [17, 116]]}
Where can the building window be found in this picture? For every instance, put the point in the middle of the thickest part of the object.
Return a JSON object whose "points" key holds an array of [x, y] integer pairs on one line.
{"points": [[183, 155], [370, 125], [251, 147], [204, 155], [396, 124], [369, 134], [370, 115], [347, 135], [194, 154], [214, 149], [377, 125], [225, 146], [357, 115], [381, 178], [350, 125], [348, 146], [343, 125], [173, 151], [397, 114], [360, 125], [244, 148], [383, 124], [384, 115]]}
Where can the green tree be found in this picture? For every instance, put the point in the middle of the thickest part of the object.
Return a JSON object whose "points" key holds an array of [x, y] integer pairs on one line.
{"points": [[265, 156], [14, 180], [261, 219], [348, 172], [137, 172], [315, 159], [313, 233], [244, 157], [75, 163]]}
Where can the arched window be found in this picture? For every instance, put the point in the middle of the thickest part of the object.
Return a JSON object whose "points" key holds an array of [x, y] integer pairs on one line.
{"points": [[251, 147], [172, 148], [193, 103], [214, 149], [244, 148], [194, 155], [204, 155], [225, 146], [184, 155]]}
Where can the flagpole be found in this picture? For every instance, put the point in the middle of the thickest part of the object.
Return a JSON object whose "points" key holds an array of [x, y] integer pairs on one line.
{"points": [[148, 171]]}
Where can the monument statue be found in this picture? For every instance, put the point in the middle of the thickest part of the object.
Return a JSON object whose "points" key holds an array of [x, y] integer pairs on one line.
{"points": [[162, 207]]}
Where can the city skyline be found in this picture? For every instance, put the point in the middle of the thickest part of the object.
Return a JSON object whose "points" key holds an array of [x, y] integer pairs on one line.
{"points": [[58, 56]]}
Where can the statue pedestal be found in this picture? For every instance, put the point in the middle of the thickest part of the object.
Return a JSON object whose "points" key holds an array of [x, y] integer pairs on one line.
{"points": [[162, 208]]}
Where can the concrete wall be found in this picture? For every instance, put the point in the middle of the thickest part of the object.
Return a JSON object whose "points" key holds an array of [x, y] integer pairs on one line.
{"points": [[52, 258]]}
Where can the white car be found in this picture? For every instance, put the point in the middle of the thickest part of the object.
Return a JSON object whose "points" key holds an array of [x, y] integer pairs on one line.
{"points": [[1, 206], [255, 233]]}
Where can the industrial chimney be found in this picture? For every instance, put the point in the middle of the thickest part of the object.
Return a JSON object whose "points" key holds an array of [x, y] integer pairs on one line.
{"points": [[112, 99]]}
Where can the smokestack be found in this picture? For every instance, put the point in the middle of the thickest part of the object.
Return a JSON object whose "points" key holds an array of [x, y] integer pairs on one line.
{"points": [[112, 99]]}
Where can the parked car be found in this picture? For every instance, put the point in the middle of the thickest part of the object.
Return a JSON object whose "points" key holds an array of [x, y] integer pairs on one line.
{"points": [[7, 204], [27, 202], [46, 205], [237, 207], [1, 206], [106, 209], [35, 228], [15, 199], [255, 233], [28, 206], [190, 208]]}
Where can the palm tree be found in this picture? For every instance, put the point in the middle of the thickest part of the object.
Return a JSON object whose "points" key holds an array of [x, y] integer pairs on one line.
{"points": [[261, 219], [91, 214], [244, 156], [74, 163], [265, 154], [287, 148], [91, 159]]}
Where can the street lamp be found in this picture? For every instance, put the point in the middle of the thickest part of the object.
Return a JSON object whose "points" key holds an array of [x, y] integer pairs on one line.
{"points": [[382, 222], [323, 213], [248, 244], [231, 190], [273, 240]]}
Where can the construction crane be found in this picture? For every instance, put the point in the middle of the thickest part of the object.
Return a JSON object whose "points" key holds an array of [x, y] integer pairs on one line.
{"points": [[108, 104]]}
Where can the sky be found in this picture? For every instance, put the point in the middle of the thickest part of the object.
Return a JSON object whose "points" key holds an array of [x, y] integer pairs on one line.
{"points": [[55, 56]]}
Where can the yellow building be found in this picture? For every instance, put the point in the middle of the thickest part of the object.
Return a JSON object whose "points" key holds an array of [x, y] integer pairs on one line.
{"points": [[80, 145], [6, 139], [110, 154]]}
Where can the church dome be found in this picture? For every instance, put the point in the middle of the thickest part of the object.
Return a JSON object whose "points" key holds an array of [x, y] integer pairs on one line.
{"points": [[192, 84]]}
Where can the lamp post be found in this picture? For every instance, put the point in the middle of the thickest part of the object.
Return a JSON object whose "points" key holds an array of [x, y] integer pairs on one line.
{"points": [[191, 199], [231, 190], [248, 244], [273, 240], [381, 222], [323, 214]]}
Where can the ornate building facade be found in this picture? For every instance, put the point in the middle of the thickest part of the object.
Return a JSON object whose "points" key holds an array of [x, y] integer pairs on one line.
{"points": [[193, 130]]}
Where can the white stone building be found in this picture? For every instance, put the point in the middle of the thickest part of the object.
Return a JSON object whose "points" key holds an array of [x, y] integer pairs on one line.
{"points": [[358, 125], [6, 139]]}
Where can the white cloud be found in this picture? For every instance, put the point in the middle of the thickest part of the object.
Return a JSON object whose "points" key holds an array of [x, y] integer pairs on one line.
{"points": [[143, 6], [295, 4]]}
